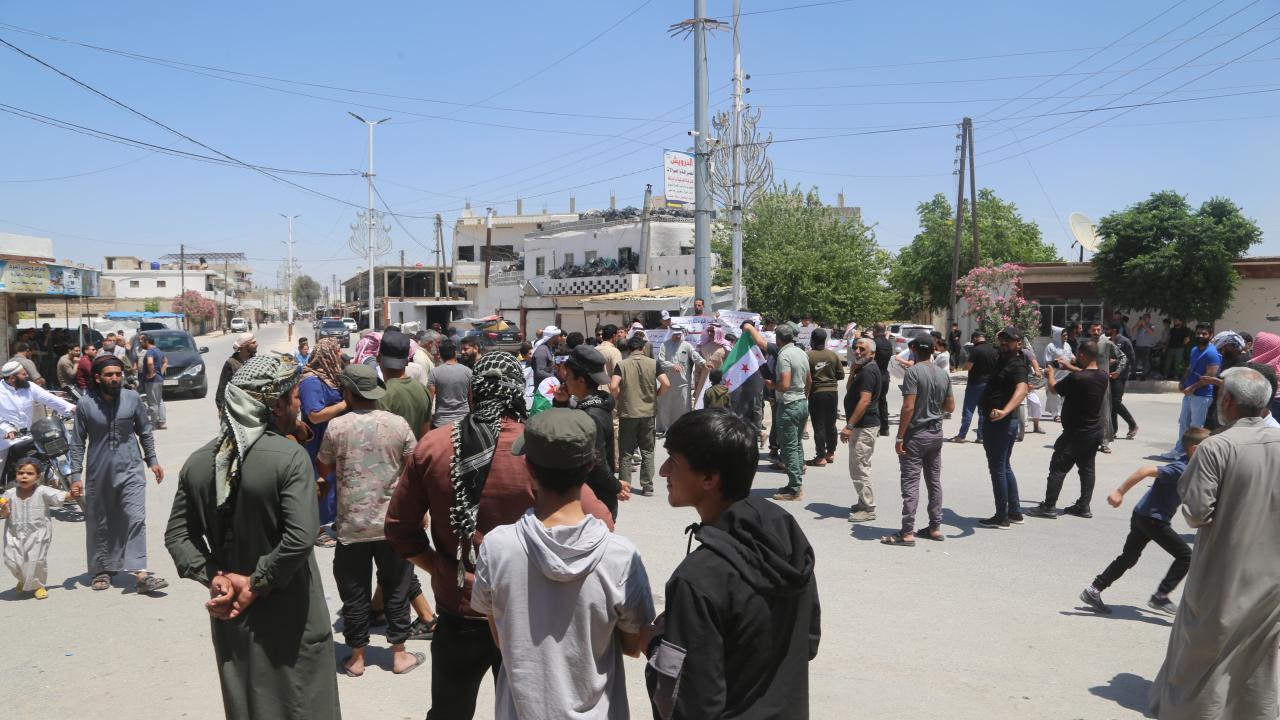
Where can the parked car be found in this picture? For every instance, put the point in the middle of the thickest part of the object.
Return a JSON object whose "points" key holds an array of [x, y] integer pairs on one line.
{"points": [[186, 373], [351, 324], [903, 333], [334, 328], [498, 333], [239, 325]]}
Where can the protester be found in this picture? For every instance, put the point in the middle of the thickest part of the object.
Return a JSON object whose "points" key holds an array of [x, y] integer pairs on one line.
{"points": [[1197, 388], [980, 365], [113, 344], [1084, 391], [1145, 338], [243, 522], [304, 352], [741, 621], [792, 388], [1231, 346], [926, 396], [246, 346], [608, 347], [365, 450], [680, 361], [1266, 352], [565, 597], [470, 348], [827, 371], [22, 353], [449, 385], [953, 345], [84, 368], [1222, 657], [28, 531], [1110, 360], [1003, 392], [699, 306], [1119, 376], [637, 384], [321, 401], [1175, 356], [862, 423], [152, 366], [717, 395], [544, 354], [404, 396], [113, 423], [1151, 521], [584, 375], [67, 365], [714, 349], [465, 481], [18, 397], [1059, 356]]}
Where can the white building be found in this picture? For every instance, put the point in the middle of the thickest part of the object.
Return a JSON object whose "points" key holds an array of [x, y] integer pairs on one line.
{"points": [[137, 279], [500, 291]]}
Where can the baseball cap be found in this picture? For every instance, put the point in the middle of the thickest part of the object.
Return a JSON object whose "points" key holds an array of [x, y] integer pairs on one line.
{"points": [[922, 342], [590, 360], [558, 438], [363, 381], [666, 315], [1011, 332], [393, 351]]}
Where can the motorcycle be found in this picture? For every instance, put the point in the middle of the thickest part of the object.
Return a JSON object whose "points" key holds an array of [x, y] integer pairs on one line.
{"points": [[48, 440]]}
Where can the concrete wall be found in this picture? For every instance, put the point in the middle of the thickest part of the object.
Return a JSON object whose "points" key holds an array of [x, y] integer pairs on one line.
{"points": [[149, 283], [1256, 306]]}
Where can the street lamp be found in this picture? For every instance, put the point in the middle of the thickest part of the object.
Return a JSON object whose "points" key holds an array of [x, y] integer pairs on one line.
{"points": [[369, 177]]}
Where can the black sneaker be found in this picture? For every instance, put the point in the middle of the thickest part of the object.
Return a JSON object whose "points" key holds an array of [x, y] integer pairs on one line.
{"points": [[420, 629], [995, 521], [646, 492], [788, 493], [1093, 599], [1164, 605], [1077, 511], [1017, 518], [1043, 511]]}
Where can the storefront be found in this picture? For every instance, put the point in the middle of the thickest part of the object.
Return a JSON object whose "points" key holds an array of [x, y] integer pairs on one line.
{"points": [[24, 280]]}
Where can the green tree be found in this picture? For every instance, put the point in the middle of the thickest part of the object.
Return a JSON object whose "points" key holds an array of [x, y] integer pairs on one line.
{"points": [[306, 293], [922, 272], [1161, 255], [151, 306], [802, 256]]}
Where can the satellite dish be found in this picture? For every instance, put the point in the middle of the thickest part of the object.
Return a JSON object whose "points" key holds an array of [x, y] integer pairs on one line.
{"points": [[1085, 232]]}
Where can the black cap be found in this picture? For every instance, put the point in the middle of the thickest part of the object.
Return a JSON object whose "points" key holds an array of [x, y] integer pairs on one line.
{"points": [[1011, 332], [922, 342], [590, 361], [393, 350], [558, 438]]}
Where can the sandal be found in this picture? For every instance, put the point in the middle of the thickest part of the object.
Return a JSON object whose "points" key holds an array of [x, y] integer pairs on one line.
{"points": [[931, 533], [346, 670], [898, 540], [418, 659], [957, 439], [150, 584], [101, 581], [1133, 432]]}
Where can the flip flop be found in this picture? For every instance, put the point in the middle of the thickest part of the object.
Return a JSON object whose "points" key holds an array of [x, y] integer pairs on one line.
{"points": [[101, 581], [897, 540], [418, 659], [1132, 434]]}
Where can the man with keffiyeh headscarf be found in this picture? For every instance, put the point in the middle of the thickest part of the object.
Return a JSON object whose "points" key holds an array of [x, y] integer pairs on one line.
{"points": [[464, 479], [243, 522]]}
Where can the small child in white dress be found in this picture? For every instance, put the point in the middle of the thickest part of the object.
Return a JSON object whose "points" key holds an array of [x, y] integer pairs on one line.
{"points": [[27, 529]]}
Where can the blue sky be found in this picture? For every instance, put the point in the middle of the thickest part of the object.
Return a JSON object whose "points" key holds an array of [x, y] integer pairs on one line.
{"points": [[833, 69]]}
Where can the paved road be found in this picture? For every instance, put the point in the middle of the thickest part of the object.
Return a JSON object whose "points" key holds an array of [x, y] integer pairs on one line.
{"points": [[985, 625]]}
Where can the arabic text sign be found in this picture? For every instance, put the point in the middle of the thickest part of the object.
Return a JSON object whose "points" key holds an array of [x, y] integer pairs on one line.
{"points": [[678, 175]]}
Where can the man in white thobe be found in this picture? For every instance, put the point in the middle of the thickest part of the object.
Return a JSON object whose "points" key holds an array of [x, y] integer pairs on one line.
{"points": [[680, 360], [18, 396], [1222, 657]]}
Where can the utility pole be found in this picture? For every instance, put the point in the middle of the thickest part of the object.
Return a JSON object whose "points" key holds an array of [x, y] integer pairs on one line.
{"points": [[439, 254], [739, 294], [646, 230], [973, 192], [226, 275], [288, 274], [371, 218], [182, 275], [401, 276], [955, 255], [488, 243], [702, 167]]}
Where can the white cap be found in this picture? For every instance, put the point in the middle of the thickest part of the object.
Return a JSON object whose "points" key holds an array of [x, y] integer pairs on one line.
{"points": [[10, 368], [550, 331], [666, 315], [242, 340]]}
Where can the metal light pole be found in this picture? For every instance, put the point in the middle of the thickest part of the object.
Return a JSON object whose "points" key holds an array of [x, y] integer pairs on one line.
{"points": [[371, 219], [702, 168], [739, 295], [288, 274]]}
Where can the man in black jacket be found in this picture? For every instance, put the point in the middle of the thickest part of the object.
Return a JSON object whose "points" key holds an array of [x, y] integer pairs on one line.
{"points": [[585, 374], [884, 351], [742, 615]]}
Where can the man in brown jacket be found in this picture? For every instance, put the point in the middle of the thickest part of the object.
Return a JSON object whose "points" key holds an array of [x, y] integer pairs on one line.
{"points": [[462, 496]]}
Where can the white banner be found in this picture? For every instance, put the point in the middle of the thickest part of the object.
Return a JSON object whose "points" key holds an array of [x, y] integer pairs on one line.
{"points": [[733, 319], [657, 336], [678, 174]]}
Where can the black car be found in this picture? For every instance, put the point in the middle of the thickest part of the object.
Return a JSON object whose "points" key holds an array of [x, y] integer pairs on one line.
{"points": [[186, 373], [497, 334], [334, 329]]}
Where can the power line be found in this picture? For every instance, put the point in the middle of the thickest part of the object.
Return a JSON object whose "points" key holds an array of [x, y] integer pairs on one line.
{"points": [[805, 6], [80, 174]]}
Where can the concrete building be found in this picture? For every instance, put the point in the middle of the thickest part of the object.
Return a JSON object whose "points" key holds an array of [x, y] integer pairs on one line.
{"points": [[500, 291], [137, 279], [31, 276], [402, 294]]}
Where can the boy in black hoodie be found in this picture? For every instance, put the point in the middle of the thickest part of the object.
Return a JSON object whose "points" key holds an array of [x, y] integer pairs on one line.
{"points": [[742, 619]]}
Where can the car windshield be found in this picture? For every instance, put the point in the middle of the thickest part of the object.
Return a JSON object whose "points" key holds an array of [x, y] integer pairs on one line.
{"points": [[175, 343], [333, 325]]}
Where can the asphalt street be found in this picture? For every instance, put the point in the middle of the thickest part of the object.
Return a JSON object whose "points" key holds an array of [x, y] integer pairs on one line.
{"points": [[984, 625]]}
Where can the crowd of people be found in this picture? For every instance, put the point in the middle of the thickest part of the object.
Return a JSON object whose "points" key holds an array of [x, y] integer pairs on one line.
{"points": [[502, 474]]}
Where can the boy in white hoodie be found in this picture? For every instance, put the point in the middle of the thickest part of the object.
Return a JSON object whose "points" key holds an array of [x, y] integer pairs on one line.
{"points": [[563, 628]]}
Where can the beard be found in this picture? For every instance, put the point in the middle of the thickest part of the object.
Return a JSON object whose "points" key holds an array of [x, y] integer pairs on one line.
{"points": [[1202, 341], [109, 390], [21, 383]]}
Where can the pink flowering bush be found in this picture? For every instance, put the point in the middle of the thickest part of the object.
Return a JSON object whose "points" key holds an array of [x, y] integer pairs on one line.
{"points": [[195, 306], [994, 298]]}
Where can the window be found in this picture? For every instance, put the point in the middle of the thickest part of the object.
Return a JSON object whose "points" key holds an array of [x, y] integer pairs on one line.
{"points": [[624, 255], [504, 253], [591, 256], [467, 253], [133, 283], [1057, 312], [161, 283], [540, 266], [568, 260]]}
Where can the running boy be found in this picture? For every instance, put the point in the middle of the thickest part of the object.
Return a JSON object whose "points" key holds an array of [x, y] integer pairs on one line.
{"points": [[1151, 521], [27, 530]]}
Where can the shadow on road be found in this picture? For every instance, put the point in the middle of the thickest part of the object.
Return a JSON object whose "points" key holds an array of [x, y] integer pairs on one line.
{"points": [[1126, 690], [1120, 612], [827, 511]]}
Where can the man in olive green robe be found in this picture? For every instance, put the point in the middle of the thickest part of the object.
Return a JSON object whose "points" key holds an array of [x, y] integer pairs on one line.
{"points": [[243, 523]]}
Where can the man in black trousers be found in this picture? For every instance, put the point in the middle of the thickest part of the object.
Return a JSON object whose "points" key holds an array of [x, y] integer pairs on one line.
{"points": [[1082, 407], [884, 352]]}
